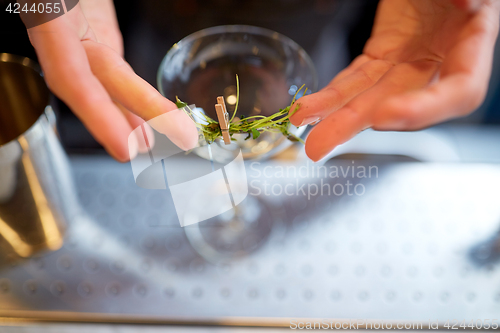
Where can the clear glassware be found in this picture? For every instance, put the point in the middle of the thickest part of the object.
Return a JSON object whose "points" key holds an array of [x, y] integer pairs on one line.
{"points": [[270, 67]]}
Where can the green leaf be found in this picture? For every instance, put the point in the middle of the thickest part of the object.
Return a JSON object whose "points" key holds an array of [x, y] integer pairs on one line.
{"points": [[255, 134], [180, 104], [294, 138]]}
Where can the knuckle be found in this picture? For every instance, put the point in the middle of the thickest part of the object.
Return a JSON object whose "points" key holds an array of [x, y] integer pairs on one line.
{"points": [[353, 112], [334, 92], [372, 70]]}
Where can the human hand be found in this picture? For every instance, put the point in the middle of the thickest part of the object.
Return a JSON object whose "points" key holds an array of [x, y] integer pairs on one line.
{"points": [[81, 56], [427, 61]]}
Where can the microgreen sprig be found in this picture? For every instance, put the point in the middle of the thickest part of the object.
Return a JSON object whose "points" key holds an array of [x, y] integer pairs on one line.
{"points": [[252, 125]]}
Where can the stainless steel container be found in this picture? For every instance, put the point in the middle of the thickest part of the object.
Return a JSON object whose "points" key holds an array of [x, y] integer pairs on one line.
{"points": [[36, 196]]}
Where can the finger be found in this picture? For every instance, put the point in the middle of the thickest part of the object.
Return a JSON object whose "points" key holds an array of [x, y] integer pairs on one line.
{"points": [[317, 106], [298, 120], [460, 90], [355, 64], [357, 115], [123, 84], [68, 74], [144, 144], [138, 96], [333, 131], [101, 16]]}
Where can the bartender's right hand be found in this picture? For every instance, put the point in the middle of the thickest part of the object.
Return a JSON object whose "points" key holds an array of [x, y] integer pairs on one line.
{"points": [[81, 54]]}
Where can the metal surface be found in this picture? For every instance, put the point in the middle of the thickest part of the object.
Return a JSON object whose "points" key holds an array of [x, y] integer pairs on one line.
{"points": [[36, 196], [403, 251]]}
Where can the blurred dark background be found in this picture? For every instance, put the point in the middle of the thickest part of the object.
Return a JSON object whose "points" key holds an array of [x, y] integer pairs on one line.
{"points": [[333, 32]]}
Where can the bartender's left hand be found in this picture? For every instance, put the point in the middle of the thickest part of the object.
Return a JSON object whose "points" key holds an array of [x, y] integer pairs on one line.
{"points": [[427, 61]]}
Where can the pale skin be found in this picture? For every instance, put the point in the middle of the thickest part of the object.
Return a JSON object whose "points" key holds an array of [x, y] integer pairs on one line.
{"points": [[81, 54], [427, 61]]}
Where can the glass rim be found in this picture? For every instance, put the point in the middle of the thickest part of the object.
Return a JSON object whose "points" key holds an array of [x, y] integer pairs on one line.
{"points": [[237, 28], [21, 60]]}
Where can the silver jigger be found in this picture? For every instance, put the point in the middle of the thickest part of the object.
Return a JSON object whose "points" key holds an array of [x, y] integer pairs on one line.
{"points": [[37, 196]]}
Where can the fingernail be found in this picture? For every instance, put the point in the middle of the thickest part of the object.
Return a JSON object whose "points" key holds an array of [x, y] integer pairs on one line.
{"points": [[309, 121]]}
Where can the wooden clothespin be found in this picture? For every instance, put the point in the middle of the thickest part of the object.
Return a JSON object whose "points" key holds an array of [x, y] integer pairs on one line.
{"points": [[223, 117]]}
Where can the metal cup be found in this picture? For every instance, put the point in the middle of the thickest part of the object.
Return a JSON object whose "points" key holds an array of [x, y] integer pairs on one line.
{"points": [[36, 191]]}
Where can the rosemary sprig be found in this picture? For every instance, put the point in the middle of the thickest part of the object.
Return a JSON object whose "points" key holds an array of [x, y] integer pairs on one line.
{"points": [[252, 126]]}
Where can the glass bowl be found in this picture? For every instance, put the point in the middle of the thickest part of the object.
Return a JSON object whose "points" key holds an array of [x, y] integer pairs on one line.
{"points": [[270, 67]]}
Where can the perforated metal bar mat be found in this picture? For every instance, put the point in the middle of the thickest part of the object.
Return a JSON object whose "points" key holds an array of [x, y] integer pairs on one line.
{"points": [[419, 244]]}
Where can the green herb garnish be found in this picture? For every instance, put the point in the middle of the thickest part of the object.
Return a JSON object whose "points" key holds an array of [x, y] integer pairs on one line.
{"points": [[253, 126]]}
